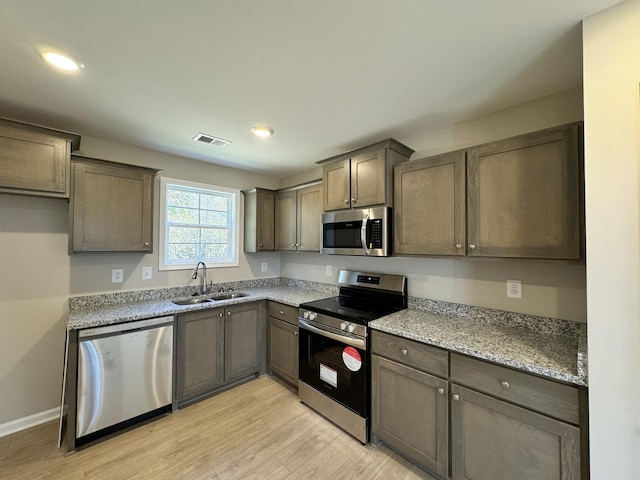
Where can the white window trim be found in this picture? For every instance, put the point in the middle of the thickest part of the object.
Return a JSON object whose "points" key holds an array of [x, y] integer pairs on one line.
{"points": [[162, 225]]}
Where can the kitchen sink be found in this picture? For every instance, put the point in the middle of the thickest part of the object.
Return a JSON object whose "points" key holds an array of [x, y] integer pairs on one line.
{"points": [[191, 301], [227, 296]]}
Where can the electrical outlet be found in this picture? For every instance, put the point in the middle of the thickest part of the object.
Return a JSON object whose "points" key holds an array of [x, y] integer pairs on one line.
{"points": [[329, 270], [147, 273], [514, 289], [265, 266], [117, 275]]}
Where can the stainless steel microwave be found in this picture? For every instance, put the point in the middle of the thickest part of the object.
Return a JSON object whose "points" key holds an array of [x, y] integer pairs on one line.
{"points": [[362, 231]]}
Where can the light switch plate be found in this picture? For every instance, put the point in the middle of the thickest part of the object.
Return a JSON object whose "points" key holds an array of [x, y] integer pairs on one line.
{"points": [[147, 273], [117, 275], [514, 289]]}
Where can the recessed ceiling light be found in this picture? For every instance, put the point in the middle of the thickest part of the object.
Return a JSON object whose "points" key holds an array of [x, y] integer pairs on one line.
{"points": [[262, 131], [59, 59]]}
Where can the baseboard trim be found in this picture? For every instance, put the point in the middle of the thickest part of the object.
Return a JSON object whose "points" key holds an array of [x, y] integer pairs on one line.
{"points": [[27, 422]]}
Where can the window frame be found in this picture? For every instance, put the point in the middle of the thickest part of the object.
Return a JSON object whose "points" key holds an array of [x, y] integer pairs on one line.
{"points": [[234, 220]]}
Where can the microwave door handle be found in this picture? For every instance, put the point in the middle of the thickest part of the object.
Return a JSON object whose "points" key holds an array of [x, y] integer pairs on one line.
{"points": [[363, 234]]}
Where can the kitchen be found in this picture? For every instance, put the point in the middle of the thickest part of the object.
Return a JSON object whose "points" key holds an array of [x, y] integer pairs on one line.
{"points": [[42, 276]]}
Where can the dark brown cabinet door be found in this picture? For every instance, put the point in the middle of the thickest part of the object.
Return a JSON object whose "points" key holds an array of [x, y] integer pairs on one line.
{"points": [[495, 440], [336, 185], [309, 218], [259, 220], [524, 197], [111, 207], [409, 410], [282, 350], [430, 211], [199, 354], [286, 220], [368, 179], [244, 339], [35, 160]]}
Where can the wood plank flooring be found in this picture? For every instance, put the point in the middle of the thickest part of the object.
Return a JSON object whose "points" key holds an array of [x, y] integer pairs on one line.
{"points": [[258, 430]]}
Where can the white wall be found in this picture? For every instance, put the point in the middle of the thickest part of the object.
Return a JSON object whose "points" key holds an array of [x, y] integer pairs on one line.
{"points": [[554, 290], [38, 275], [611, 85]]}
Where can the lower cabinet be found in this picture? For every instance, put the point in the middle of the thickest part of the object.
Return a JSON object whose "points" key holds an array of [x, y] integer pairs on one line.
{"points": [[463, 418], [282, 342], [217, 347], [409, 406], [492, 439]]}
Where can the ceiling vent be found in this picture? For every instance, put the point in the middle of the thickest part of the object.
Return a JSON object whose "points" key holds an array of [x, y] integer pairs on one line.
{"points": [[211, 140]]}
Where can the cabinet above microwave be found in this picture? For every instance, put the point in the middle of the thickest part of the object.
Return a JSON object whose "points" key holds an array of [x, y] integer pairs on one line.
{"points": [[363, 177]]}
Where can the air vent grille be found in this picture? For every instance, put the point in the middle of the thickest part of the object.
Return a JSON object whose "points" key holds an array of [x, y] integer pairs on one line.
{"points": [[211, 140]]}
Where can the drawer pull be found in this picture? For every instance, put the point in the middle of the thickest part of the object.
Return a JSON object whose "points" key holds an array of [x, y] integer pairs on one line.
{"points": [[404, 351], [504, 384], [441, 391], [281, 312], [456, 397]]}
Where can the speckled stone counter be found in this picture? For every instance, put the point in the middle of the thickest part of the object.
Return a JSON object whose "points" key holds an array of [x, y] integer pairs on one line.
{"points": [[98, 310], [549, 347]]}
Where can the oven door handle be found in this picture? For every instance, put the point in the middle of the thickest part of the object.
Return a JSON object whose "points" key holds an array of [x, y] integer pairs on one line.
{"points": [[354, 342]]}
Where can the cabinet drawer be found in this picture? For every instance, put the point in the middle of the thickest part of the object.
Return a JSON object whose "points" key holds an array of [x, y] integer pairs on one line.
{"points": [[283, 312], [412, 353], [546, 396]]}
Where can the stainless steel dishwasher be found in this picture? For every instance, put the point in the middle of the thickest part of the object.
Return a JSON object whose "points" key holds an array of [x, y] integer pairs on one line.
{"points": [[124, 372]]}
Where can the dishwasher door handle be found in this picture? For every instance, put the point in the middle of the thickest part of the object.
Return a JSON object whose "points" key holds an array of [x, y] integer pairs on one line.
{"points": [[125, 327]]}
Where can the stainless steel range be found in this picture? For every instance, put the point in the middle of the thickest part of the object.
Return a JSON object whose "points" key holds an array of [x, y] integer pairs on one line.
{"points": [[334, 346]]}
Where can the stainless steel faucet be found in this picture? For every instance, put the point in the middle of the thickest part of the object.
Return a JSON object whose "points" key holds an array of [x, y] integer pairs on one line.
{"points": [[204, 286]]}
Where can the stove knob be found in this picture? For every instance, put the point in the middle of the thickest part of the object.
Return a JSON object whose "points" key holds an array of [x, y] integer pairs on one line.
{"points": [[343, 326], [351, 327], [312, 315], [305, 314]]}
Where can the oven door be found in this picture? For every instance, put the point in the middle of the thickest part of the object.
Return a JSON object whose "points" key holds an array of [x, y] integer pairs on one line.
{"points": [[335, 364]]}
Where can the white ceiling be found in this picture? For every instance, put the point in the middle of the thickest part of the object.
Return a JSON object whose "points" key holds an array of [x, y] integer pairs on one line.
{"points": [[328, 75]]}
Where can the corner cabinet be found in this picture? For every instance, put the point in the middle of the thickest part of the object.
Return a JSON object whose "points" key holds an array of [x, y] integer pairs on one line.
{"points": [[409, 400], [362, 177], [216, 348], [111, 207], [514, 198], [35, 160], [259, 222], [282, 342], [297, 218]]}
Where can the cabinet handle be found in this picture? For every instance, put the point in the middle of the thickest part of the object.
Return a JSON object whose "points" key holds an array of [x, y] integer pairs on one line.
{"points": [[221, 314], [456, 397], [441, 391], [293, 244], [504, 384], [295, 334], [353, 200], [472, 246], [458, 245], [281, 312], [346, 201], [260, 245], [228, 313], [404, 351], [146, 244]]}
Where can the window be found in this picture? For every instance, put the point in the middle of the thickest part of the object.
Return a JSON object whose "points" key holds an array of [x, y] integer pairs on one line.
{"points": [[198, 223]]}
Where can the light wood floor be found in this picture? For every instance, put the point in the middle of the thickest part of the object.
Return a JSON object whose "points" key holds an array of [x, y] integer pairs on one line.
{"points": [[256, 431]]}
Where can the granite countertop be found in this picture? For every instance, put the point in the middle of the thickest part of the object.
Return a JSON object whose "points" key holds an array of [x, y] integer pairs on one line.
{"points": [[548, 351], [94, 315], [549, 347]]}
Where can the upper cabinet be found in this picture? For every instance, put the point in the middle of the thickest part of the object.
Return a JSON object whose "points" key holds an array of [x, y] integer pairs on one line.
{"points": [[35, 160], [524, 196], [514, 198], [259, 226], [111, 207], [429, 213], [363, 177], [297, 215]]}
